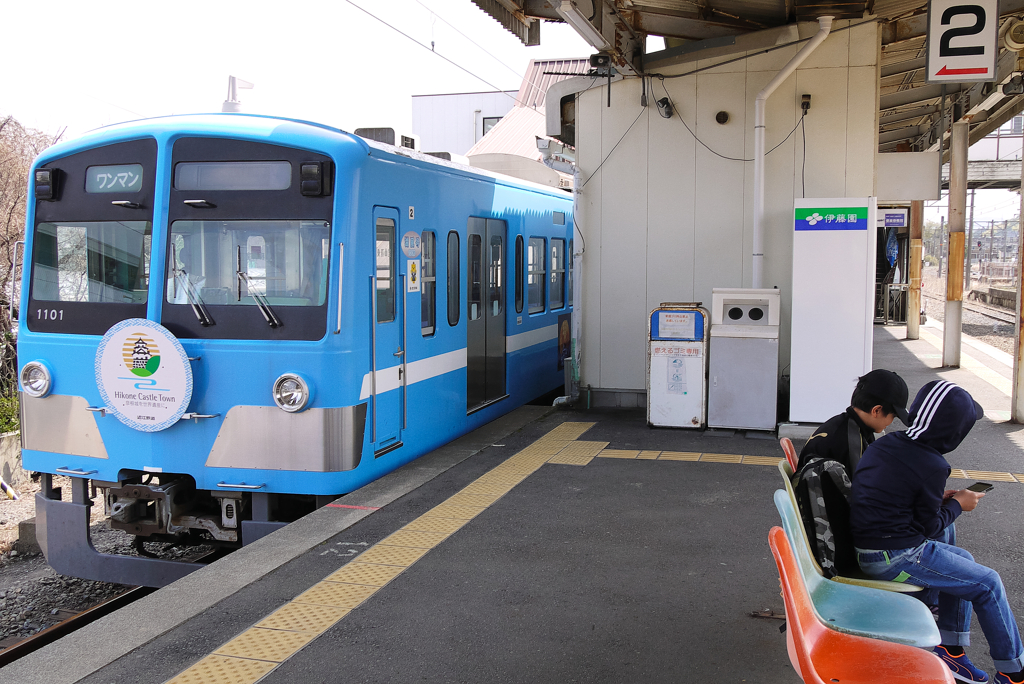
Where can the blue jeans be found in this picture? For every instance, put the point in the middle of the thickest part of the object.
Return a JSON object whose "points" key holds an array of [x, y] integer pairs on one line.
{"points": [[930, 597], [962, 583]]}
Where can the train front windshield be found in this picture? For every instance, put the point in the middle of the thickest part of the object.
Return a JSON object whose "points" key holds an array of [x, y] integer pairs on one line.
{"points": [[248, 263], [91, 261]]}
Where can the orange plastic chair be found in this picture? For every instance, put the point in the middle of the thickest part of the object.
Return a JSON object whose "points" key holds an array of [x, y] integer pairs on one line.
{"points": [[822, 656], [791, 456]]}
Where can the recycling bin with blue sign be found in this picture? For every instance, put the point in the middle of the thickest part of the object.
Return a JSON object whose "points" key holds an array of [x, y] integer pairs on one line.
{"points": [[677, 356]]}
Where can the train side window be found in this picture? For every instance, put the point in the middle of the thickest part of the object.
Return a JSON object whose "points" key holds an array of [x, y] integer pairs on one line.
{"points": [[496, 273], [520, 284], [537, 257], [385, 270], [557, 273], [454, 295], [474, 293], [428, 296], [572, 264]]}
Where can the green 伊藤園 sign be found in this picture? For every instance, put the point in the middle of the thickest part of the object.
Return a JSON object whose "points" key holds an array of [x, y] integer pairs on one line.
{"points": [[831, 218]]}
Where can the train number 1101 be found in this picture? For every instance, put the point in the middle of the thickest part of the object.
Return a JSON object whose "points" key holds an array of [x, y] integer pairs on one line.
{"points": [[50, 314]]}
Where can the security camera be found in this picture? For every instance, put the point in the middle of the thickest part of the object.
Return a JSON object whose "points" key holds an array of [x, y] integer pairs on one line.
{"points": [[665, 108], [1015, 86]]}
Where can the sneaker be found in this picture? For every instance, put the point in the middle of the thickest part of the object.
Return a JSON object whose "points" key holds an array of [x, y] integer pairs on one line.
{"points": [[1004, 679], [963, 669]]}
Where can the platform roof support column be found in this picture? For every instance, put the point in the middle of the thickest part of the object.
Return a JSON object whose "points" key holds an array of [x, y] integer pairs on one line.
{"points": [[957, 222], [916, 248], [1017, 398]]}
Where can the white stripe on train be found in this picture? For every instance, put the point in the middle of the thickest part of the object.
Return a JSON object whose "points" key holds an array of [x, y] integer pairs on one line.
{"points": [[431, 367]]}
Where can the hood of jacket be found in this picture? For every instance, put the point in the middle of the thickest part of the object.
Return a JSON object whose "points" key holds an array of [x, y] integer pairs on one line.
{"points": [[941, 416]]}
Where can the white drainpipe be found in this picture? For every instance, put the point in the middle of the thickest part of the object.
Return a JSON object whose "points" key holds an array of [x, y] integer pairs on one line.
{"points": [[825, 25]]}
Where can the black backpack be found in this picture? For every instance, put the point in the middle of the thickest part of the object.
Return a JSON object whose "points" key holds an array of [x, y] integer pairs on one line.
{"points": [[822, 490]]}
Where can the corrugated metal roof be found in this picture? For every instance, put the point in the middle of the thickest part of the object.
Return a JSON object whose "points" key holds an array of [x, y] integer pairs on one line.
{"points": [[536, 82]]}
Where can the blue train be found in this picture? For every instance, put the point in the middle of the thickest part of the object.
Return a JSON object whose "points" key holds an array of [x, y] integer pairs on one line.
{"points": [[229, 320]]}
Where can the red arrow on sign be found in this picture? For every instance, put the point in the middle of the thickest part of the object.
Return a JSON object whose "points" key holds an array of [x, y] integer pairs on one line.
{"points": [[946, 71]]}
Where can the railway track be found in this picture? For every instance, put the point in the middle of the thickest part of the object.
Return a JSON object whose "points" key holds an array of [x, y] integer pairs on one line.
{"points": [[65, 627], [994, 312]]}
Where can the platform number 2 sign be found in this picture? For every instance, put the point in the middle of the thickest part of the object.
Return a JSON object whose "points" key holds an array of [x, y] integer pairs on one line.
{"points": [[962, 40]]}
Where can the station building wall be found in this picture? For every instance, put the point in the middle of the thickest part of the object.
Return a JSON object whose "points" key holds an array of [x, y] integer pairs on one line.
{"points": [[665, 219]]}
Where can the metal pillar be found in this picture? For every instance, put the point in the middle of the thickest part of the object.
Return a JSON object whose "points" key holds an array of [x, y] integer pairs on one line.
{"points": [[970, 246], [957, 222], [916, 248], [1017, 394]]}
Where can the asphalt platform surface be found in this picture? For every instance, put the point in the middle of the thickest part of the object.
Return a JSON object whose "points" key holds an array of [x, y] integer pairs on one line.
{"points": [[622, 570]]}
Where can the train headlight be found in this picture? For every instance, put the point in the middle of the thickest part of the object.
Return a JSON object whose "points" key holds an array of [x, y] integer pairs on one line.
{"points": [[291, 393], [35, 379]]}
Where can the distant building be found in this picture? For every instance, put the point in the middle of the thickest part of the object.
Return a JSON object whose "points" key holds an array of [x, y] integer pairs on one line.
{"points": [[454, 123], [498, 130], [511, 147]]}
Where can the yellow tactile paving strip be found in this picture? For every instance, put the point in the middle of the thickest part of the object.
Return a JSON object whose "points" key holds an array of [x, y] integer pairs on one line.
{"points": [[217, 669], [251, 655], [297, 617]]}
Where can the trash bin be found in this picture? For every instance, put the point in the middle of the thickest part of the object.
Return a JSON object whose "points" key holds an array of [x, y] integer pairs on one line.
{"points": [[744, 358], [677, 366]]}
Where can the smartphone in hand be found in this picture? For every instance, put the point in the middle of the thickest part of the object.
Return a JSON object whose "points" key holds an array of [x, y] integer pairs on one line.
{"points": [[980, 487]]}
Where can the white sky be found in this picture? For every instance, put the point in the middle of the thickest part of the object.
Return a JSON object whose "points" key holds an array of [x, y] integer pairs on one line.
{"points": [[88, 64], [998, 205], [80, 65]]}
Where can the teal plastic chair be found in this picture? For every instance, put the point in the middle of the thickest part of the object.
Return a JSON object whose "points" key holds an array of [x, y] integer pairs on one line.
{"points": [[899, 587], [857, 610]]}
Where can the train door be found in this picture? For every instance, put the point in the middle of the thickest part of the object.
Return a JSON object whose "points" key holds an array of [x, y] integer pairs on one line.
{"points": [[388, 375], [485, 326]]}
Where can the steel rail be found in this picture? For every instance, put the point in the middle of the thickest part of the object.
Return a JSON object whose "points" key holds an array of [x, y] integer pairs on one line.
{"points": [[38, 640]]}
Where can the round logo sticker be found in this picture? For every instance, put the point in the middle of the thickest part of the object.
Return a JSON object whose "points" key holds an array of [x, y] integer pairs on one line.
{"points": [[411, 246], [143, 375]]}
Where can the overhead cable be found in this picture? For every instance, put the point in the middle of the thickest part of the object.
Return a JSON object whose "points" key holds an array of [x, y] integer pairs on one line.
{"points": [[429, 49]]}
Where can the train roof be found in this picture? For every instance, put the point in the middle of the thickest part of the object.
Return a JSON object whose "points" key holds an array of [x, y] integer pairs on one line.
{"points": [[261, 126]]}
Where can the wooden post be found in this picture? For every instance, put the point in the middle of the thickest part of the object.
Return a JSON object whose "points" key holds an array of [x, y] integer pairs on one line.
{"points": [[914, 294], [957, 222]]}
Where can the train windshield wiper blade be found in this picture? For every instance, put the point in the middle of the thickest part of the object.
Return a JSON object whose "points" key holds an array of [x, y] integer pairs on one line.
{"points": [[194, 300], [260, 300]]}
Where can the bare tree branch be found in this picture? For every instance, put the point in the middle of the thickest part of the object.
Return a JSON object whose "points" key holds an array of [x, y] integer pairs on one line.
{"points": [[19, 146]]}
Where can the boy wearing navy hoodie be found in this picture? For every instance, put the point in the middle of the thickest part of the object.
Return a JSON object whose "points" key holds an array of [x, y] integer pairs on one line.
{"points": [[899, 504]]}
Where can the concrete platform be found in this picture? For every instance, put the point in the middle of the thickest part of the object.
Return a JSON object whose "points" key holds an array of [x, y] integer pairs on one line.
{"points": [[577, 546]]}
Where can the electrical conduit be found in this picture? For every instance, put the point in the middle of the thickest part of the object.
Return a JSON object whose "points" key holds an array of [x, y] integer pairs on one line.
{"points": [[824, 26]]}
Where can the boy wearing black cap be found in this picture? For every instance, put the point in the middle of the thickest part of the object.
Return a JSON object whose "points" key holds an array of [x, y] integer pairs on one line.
{"points": [[899, 506], [879, 397]]}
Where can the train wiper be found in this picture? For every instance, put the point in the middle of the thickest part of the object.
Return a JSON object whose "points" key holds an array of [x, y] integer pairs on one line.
{"points": [[194, 299], [260, 300]]}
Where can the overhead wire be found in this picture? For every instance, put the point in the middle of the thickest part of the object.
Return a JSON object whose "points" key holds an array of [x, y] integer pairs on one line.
{"points": [[428, 48], [717, 154], [481, 47]]}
